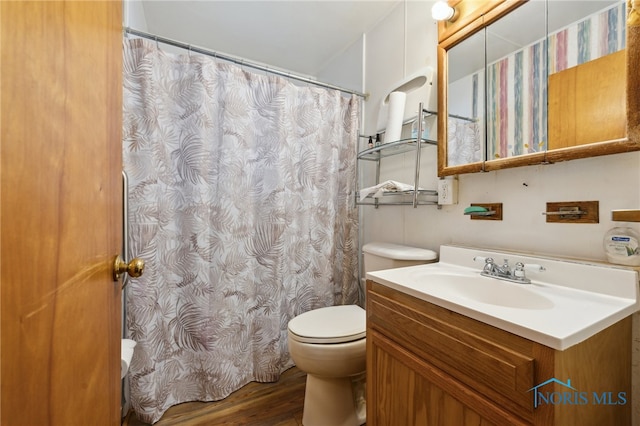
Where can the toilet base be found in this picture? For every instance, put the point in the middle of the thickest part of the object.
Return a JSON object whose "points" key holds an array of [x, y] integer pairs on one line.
{"points": [[330, 401]]}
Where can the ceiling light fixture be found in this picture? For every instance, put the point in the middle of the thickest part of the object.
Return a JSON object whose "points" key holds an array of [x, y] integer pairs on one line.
{"points": [[441, 11]]}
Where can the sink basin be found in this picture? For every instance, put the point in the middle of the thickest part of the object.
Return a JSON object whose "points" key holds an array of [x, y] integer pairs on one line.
{"points": [[568, 300], [491, 291]]}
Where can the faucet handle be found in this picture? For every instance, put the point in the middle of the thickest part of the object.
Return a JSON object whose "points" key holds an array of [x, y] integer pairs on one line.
{"points": [[519, 271], [485, 260], [489, 265], [534, 267]]}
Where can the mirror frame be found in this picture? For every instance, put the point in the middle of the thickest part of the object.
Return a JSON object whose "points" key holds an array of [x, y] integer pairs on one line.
{"points": [[473, 16]]}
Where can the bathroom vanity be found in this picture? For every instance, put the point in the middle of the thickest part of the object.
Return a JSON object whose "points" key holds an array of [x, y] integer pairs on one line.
{"points": [[548, 353]]}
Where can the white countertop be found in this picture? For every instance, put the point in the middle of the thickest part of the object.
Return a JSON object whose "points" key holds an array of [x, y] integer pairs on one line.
{"points": [[567, 303]]}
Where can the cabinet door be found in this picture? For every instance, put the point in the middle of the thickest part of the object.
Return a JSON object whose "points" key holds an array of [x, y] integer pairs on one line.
{"points": [[404, 390], [572, 94]]}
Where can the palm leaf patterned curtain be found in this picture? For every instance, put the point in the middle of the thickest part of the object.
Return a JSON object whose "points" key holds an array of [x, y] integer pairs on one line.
{"points": [[241, 204]]}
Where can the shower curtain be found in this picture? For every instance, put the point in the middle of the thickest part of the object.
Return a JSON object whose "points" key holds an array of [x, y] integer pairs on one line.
{"points": [[242, 205]]}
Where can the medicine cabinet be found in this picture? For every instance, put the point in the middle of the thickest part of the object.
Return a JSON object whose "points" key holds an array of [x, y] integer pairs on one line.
{"points": [[532, 82]]}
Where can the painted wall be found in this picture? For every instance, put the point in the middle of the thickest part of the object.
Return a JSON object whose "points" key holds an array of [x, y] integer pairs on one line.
{"points": [[134, 16], [345, 70]]}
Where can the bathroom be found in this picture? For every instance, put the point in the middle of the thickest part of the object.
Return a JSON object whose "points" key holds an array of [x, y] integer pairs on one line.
{"points": [[58, 335], [403, 43]]}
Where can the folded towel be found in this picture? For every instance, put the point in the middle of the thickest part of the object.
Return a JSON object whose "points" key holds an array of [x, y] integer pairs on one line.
{"points": [[387, 186]]}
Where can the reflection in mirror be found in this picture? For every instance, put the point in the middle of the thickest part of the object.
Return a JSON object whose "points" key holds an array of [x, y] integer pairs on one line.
{"points": [[587, 69], [516, 82], [465, 124]]}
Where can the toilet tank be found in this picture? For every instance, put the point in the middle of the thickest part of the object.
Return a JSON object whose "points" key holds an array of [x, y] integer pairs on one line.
{"points": [[378, 256]]}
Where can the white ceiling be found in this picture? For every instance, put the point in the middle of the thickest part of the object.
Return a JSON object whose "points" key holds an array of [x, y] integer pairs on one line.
{"points": [[301, 36]]}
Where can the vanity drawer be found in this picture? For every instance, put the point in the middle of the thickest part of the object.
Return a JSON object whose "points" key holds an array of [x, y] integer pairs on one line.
{"points": [[494, 363]]}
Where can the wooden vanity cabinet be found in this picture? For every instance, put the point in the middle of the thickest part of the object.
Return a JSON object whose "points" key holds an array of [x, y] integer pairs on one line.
{"points": [[427, 365]]}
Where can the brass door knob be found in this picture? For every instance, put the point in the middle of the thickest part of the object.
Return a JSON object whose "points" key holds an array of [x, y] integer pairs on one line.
{"points": [[134, 268]]}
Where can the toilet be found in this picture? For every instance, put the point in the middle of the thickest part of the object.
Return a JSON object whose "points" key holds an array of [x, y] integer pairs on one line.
{"points": [[329, 344]]}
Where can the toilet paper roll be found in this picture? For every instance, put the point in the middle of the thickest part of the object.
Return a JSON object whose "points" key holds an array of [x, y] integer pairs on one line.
{"points": [[396, 116], [126, 349]]}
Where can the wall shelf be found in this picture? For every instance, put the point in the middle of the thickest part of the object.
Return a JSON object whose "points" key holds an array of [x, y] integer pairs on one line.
{"points": [[392, 148], [400, 198], [415, 196]]}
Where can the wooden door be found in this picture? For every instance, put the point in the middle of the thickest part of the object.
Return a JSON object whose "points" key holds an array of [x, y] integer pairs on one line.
{"points": [[60, 201]]}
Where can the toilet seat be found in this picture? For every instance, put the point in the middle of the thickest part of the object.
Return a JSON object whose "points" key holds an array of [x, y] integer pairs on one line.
{"points": [[333, 324]]}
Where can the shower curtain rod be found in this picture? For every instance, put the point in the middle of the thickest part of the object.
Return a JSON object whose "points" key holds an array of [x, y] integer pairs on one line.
{"points": [[240, 62]]}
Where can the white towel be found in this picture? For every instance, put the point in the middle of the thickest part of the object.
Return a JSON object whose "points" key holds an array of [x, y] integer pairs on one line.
{"points": [[126, 353], [387, 186]]}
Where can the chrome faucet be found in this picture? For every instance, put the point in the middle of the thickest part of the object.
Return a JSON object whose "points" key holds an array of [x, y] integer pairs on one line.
{"points": [[490, 268], [504, 272]]}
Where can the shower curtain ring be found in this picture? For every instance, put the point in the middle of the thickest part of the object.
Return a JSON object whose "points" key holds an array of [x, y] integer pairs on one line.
{"points": [[189, 51], [157, 45]]}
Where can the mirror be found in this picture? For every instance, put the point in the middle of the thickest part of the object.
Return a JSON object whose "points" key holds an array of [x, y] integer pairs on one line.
{"points": [[465, 126], [546, 69], [516, 83]]}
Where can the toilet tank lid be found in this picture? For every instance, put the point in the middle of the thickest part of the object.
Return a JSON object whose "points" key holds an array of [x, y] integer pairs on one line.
{"points": [[399, 252]]}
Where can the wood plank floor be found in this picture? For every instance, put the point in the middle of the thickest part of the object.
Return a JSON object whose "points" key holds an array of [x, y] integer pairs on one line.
{"points": [[263, 404]]}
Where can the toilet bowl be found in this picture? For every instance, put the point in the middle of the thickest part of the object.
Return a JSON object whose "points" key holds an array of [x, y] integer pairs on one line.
{"points": [[329, 344]]}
